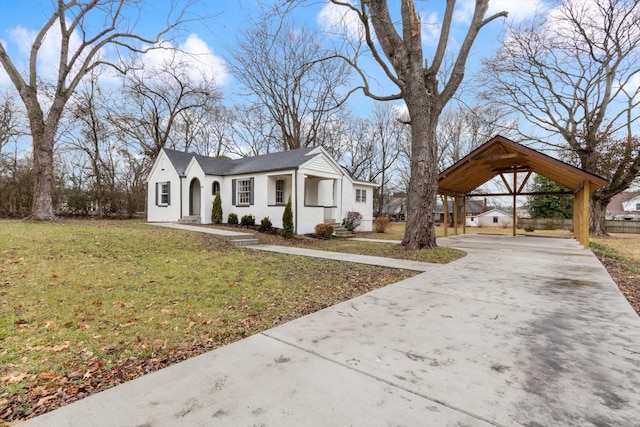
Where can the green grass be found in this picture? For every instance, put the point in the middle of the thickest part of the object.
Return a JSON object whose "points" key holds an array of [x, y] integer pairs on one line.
{"points": [[621, 247], [87, 296]]}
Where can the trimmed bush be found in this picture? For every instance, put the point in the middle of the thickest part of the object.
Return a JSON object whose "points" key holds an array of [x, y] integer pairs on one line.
{"points": [[265, 224], [248, 220], [216, 211], [324, 231], [233, 219], [529, 228], [380, 224], [287, 221]]}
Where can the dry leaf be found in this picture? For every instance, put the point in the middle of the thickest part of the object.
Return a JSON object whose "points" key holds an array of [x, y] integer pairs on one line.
{"points": [[60, 347], [14, 377]]}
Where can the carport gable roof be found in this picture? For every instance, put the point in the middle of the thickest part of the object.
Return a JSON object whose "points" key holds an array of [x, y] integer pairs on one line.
{"points": [[501, 155]]}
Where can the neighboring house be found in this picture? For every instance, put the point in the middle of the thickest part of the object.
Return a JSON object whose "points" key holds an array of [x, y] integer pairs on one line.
{"points": [[396, 207], [473, 207], [624, 206], [184, 185], [490, 218]]}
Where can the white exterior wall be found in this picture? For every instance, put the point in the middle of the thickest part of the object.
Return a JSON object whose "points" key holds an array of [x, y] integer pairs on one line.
{"points": [[631, 204], [330, 194], [305, 217], [163, 171], [366, 208], [486, 219]]}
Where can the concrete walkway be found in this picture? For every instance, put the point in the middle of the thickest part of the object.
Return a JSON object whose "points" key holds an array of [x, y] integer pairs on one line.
{"points": [[523, 331]]}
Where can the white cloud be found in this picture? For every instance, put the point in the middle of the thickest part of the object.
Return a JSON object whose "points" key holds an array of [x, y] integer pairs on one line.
{"points": [[518, 10], [195, 54], [49, 53], [431, 26], [340, 20]]}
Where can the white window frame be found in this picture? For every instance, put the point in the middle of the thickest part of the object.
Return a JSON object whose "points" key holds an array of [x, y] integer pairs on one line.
{"points": [[280, 188], [244, 192], [361, 195], [496, 219], [164, 198]]}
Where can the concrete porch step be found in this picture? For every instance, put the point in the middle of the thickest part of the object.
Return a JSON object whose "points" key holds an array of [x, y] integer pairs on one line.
{"points": [[340, 231], [191, 219], [244, 241]]}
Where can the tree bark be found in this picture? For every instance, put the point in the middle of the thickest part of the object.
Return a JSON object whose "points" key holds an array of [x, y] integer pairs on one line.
{"points": [[423, 185], [597, 211], [42, 207]]}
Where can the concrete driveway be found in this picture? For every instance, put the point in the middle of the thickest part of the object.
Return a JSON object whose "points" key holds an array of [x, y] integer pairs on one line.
{"points": [[522, 331]]}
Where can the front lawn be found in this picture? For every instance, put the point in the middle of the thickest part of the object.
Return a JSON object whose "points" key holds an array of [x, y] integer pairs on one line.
{"points": [[86, 305]]}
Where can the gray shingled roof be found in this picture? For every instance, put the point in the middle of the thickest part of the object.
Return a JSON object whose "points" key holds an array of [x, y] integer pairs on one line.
{"points": [[179, 159], [264, 163]]}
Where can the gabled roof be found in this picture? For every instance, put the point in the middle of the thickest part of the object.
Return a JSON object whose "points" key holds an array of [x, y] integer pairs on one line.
{"points": [[267, 162], [499, 155], [492, 211], [179, 159]]}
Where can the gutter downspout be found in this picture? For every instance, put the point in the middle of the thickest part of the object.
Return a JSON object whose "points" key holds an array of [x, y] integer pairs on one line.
{"points": [[295, 212], [181, 180]]}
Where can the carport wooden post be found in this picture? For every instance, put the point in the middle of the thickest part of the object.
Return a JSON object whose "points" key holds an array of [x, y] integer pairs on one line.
{"points": [[446, 216], [455, 215], [515, 195], [464, 215], [581, 205]]}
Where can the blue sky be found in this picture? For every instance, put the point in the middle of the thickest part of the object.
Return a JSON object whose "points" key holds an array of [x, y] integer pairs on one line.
{"points": [[214, 37]]}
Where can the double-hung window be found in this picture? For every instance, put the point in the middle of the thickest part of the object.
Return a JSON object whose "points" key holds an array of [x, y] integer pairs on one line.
{"points": [[242, 192], [361, 196], [279, 191], [163, 193]]}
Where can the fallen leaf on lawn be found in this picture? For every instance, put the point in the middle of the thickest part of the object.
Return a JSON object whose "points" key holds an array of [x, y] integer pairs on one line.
{"points": [[44, 400], [48, 376], [60, 347], [49, 325], [14, 377]]}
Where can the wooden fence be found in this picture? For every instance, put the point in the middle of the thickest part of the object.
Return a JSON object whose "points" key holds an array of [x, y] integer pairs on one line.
{"points": [[567, 224]]}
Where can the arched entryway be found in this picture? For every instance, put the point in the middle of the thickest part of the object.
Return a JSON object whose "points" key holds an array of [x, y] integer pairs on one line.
{"points": [[194, 197]]}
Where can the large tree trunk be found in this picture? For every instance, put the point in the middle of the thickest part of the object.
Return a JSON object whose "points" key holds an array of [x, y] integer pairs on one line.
{"points": [[420, 230], [42, 208], [597, 211]]}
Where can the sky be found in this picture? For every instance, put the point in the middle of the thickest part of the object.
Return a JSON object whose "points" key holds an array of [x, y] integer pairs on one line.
{"points": [[214, 31]]}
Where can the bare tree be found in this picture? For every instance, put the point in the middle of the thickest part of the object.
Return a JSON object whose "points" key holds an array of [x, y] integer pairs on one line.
{"points": [[81, 49], [462, 129], [280, 65], [157, 99], [92, 146], [426, 86], [573, 74], [254, 132], [10, 123], [387, 135], [207, 130]]}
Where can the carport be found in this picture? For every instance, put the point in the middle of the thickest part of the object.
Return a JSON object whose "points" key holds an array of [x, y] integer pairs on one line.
{"points": [[514, 164]]}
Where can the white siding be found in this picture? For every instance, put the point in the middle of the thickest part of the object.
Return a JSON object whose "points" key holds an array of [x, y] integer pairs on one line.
{"points": [[365, 208], [330, 193], [322, 165], [163, 171]]}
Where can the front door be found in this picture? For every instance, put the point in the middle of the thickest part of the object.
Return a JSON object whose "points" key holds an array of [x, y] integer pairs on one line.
{"points": [[194, 197]]}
